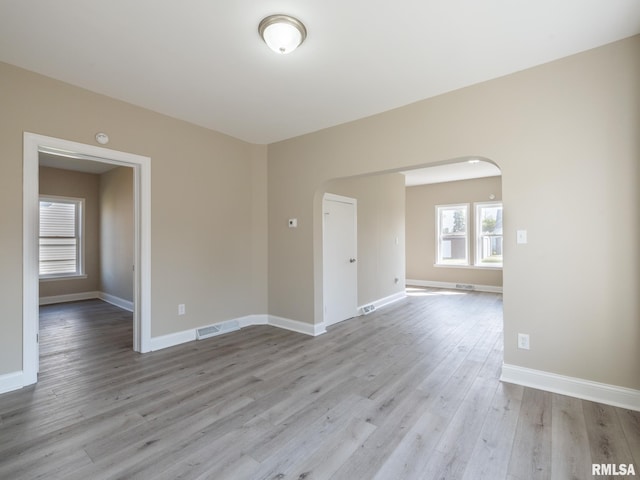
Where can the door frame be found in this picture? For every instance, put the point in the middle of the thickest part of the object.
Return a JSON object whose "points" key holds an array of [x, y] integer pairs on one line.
{"points": [[351, 201], [33, 145]]}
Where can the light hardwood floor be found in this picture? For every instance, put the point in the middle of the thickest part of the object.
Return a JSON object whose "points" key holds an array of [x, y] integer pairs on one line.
{"points": [[408, 392]]}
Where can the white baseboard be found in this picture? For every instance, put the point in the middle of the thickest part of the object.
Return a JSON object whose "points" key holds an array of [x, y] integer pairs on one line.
{"points": [[574, 387], [313, 330], [71, 297], [452, 286], [382, 302], [117, 301], [11, 381], [76, 297], [297, 326], [251, 320], [172, 339]]}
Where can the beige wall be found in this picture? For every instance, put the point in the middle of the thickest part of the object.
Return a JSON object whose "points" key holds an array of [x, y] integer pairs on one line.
{"points": [[421, 229], [117, 233], [380, 212], [55, 181], [258, 282], [565, 135], [206, 221]]}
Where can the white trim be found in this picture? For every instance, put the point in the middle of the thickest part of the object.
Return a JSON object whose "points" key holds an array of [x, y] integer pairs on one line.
{"points": [[11, 381], [251, 320], [32, 145], [339, 198], [297, 326], [574, 387], [63, 277], [30, 255], [117, 301], [478, 233], [75, 297], [172, 339], [142, 254], [388, 300], [452, 286], [467, 235], [469, 267], [70, 297]]}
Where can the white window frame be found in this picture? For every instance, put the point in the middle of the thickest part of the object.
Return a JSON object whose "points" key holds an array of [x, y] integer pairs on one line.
{"points": [[439, 260], [79, 219], [478, 234]]}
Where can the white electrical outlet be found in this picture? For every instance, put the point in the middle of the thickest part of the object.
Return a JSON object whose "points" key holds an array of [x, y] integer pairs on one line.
{"points": [[523, 341], [521, 237], [181, 309]]}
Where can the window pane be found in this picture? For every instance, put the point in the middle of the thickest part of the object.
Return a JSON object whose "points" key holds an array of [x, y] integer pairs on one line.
{"points": [[489, 221], [57, 219], [452, 235], [454, 221], [59, 239]]}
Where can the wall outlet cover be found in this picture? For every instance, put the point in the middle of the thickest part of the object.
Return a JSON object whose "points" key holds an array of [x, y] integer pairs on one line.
{"points": [[523, 341], [521, 237]]}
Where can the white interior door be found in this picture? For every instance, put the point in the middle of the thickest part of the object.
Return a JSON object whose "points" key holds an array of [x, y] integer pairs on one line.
{"points": [[340, 270]]}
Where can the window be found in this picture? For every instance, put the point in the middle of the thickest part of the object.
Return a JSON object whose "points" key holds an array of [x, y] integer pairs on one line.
{"points": [[60, 237], [489, 234], [452, 231]]}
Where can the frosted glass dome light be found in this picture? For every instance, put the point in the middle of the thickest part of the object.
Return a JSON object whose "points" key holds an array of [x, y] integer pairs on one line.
{"points": [[282, 33]]}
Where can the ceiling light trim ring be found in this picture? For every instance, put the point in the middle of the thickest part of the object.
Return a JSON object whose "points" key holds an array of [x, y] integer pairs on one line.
{"points": [[286, 20]]}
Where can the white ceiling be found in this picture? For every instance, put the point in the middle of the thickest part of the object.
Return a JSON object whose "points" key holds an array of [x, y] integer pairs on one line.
{"points": [[450, 172], [203, 61], [71, 162]]}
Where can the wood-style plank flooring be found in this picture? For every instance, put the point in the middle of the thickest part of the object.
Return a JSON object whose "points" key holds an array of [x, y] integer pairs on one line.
{"points": [[410, 391]]}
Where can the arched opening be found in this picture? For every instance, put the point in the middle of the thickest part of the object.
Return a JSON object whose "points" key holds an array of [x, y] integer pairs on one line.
{"points": [[398, 238]]}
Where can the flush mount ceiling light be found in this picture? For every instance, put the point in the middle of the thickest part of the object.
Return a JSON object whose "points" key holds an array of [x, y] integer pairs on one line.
{"points": [[282, 33]]}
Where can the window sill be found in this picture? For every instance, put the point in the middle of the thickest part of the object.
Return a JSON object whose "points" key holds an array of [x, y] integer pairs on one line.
{"points": [[472, 267], [63, 277]]}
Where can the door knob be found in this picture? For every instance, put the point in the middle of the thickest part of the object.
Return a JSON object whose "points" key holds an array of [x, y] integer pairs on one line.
{"points": [[352, 260]]}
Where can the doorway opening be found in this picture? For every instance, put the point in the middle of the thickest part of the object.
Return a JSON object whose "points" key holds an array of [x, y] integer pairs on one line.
{"points": [[397, 231], [34, 146], [454, 226]]}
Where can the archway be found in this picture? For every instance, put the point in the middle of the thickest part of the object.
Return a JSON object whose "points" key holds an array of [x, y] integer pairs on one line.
{"points": [[461, 171]]}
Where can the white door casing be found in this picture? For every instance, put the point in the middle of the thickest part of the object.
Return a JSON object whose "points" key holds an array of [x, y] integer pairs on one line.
{"points": [[340, 269], [141, 165]]}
